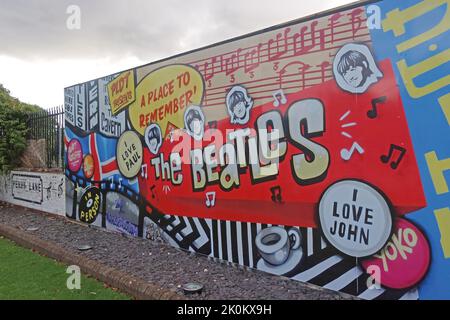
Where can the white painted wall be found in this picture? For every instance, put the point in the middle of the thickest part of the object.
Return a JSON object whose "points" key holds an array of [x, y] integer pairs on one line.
{"points": [[36, 190]]}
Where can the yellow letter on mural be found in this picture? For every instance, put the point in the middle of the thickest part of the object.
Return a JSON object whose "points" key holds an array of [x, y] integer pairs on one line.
{"points": [[443, 220], [437, 168], [396, 20], [408, 74], [444, 101]]}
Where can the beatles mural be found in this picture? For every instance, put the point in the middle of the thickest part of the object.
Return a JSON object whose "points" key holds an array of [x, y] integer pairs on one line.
{"points": [[317, 150]]}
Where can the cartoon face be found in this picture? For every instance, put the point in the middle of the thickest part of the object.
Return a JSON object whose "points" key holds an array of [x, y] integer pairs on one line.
{"points": [[153, 138], [354, 76], [153, 144], [355, 69], [239, 105], [194, 122], [240, 110], [196, 127]]}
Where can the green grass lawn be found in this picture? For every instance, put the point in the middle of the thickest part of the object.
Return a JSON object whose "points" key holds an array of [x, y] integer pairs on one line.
{"points": [[27, 275]]}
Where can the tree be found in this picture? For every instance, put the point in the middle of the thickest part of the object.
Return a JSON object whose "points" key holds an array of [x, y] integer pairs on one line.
{"points": [[13, 129]]}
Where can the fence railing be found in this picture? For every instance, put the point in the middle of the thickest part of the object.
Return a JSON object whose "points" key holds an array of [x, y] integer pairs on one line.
{"points": [[49, 125]]}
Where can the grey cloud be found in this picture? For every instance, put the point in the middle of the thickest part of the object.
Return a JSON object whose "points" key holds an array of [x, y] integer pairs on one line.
{"points": [[36, 29]]}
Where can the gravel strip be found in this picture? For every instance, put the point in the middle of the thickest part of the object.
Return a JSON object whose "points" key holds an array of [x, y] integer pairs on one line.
{"points": [[161, 264]]}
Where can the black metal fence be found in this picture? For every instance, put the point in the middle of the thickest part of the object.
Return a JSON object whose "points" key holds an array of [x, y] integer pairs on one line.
{"points": [[49, 125]]}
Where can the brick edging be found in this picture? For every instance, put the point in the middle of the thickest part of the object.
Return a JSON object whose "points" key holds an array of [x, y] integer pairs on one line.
{"points": [[138, 288]]}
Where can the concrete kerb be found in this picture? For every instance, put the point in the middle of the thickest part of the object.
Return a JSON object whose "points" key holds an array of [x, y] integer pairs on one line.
{"points": [[126, 283], [141, 290]]}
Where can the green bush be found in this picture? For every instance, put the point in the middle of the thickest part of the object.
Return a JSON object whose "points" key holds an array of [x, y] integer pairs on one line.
{"points": [[13, 129]]}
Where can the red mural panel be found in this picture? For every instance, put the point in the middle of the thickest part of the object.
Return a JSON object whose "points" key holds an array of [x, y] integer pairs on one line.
{"points": [[365, 136]]}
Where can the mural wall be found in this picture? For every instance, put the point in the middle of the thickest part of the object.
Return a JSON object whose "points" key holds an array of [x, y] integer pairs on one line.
{"points": [[35, 190], [316, 150]]}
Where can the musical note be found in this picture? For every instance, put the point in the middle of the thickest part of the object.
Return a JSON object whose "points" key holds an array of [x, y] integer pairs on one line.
{"points": [[300, 47], [49, 190], [212, 124], [289, 42], [60, 188], [347, 154], [356, 20], [112, 182], [281, 98], [152, 188], [209, 76], [324, 67], [144, 171], [276, 194], [120, 183], [210, 199], [280, 37], [231, 64], [250, 56], [373, 113], [333, 24], [301, 67], [386, 158]]}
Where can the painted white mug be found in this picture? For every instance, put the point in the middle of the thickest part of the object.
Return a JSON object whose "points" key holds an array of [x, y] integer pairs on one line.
{"points": [[275, 244]]}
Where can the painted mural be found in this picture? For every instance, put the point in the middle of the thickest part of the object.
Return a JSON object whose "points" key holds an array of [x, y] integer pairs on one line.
{"points": [[317, 150], [35, 190]]}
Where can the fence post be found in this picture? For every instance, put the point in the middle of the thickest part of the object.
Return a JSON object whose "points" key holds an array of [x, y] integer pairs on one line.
{"points": [[49, 125]]}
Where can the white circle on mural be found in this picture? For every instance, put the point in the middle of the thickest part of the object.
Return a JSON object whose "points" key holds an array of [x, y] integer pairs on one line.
{"points": [[129, 154], [355, 218]]}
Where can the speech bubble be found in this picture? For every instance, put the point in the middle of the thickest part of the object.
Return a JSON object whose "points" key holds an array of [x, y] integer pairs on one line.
{"points": [[121, 91], [129, 154], [355, 218], [163, 95]]}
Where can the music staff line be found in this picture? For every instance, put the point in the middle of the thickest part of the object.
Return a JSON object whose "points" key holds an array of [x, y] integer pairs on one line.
{"points": [[271, 78], [307, 71], [243, 63], [329, 27], [262, 97], [210, 92], [302, 80], [299, 85], [222, 70], [251, 60]]}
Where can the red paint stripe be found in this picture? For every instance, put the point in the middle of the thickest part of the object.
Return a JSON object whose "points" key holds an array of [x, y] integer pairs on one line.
{"points": [[107, 168], [94, 153]]}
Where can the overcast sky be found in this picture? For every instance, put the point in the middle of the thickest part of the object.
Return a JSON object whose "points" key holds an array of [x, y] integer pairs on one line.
{"points": [[39, 55]]}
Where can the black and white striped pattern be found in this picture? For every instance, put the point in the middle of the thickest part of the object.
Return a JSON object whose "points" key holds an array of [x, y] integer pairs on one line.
{"points": [[188, 233], [234, 241], [322, 265]]}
